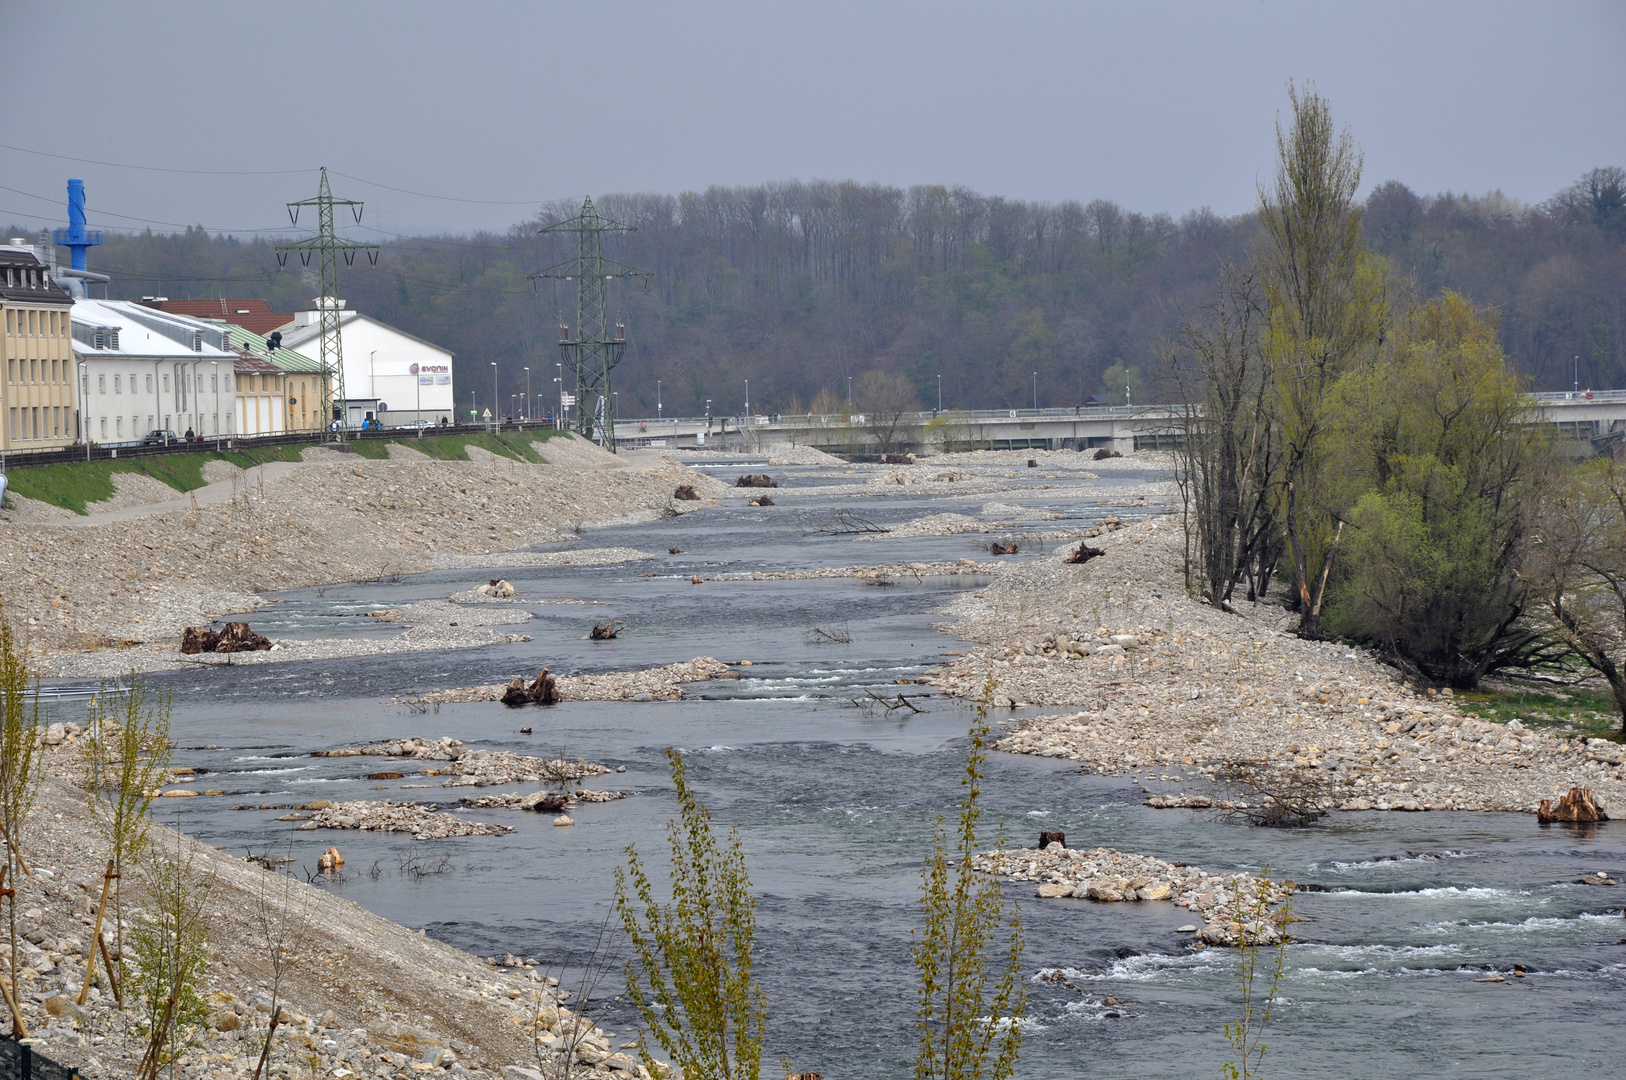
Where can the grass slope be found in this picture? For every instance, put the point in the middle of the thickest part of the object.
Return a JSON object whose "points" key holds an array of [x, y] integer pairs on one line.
{"points": [[73, 486]]}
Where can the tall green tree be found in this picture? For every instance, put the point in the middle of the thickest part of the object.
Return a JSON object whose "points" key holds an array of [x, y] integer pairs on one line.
{"points": [[1432, 453], [1326, 310], [691, 967]]}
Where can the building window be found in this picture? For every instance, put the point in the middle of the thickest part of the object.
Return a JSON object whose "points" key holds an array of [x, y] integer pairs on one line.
{"points": [[228, 384], [101, 383], [56, 421], [36, 425], [166, 382], [14, 435], [11, 371], [120, 423], [149, 383], [11, 321], [117, 384], [33, 371], [214, 384]]}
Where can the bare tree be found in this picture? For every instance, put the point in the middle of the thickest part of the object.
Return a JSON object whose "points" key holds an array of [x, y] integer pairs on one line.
{"points": [[885, 398], [559, 1059], [1229, 461], [1578, 567]]}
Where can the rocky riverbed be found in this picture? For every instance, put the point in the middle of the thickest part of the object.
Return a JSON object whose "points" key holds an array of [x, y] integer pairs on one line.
{"points": [[1156, 685], [664, 683], [463, 767], [360, 996], [1224, 904]]}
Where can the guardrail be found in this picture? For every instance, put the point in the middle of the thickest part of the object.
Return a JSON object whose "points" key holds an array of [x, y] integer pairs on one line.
{"points": [[1584, 397]]}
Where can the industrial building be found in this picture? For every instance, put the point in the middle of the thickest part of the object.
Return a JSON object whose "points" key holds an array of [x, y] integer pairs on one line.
{"points": [[279, 391], [142, 370], [37, 396], [389, 375]]}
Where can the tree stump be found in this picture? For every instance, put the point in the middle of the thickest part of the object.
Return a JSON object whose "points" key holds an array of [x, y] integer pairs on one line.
{"points": [[1580, 806], [1046, 838]]}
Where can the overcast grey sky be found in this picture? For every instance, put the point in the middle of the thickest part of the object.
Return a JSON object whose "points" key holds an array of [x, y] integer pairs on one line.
{"points": [[1159, 106]]}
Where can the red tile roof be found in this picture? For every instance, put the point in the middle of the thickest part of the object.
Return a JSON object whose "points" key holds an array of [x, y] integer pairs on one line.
{"points": [[254, 316]]}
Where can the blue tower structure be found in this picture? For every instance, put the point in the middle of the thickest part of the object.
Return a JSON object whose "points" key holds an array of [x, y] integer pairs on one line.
{"points": [[76, 238]]}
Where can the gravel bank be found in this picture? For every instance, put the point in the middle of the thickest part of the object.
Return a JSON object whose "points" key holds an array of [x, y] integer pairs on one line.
{"points": [[1108, 877], [362, 996], [124, 585], [663, 683], [1157, 683]]}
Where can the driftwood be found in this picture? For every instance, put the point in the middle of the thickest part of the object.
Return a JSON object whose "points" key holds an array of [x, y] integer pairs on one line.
{"points": [[847, 523], [1046, 838], [890, 705], [756, 480], [607, 631], [1580, 806], [542, 691], [686, 493], [832, 635], [1103, 453], [1032, 464], [674, 550], [897, 459], [762, 500], [1004, 547], [235, 637], [1084, 553]]}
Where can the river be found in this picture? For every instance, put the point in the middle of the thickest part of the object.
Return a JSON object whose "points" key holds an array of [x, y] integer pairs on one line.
{"points": [[835, 806]]}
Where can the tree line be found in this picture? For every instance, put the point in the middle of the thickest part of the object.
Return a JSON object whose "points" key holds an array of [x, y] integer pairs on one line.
{"points": [[1367, 447], [800, 287]]}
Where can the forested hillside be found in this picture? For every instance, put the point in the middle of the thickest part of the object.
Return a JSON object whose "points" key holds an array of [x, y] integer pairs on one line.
{"points": [[799, 286]]}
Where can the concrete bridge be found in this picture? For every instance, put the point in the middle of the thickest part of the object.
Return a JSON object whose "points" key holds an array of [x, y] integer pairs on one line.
{"points": [[1599, 416]]}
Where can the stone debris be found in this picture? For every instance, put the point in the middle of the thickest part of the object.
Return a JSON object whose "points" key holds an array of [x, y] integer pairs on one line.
{"points": [[539, 800], [474, 768], [423, 821], [1108, 876], [1153, 681], [663, 683]]}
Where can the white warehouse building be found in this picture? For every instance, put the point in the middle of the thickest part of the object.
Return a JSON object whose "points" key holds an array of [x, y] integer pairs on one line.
{"points": [[140, 370], [389, 375]]}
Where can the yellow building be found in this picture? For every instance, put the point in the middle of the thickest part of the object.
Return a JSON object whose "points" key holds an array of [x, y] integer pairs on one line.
{"points": [[37, 400]]}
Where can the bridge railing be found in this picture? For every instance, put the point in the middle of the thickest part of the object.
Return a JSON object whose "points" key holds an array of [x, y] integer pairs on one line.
{"points": [[1585, 397], [653, 427]]}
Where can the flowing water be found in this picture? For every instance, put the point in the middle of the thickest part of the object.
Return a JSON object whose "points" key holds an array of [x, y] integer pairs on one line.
{"points": [[835, 806]]}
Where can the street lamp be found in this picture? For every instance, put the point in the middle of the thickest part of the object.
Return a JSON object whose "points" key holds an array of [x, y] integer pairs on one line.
{"points": [[496, 402], [1035, 391], [615, 405], [748, 399], [527, 408], [940, 393], [849, 391]]}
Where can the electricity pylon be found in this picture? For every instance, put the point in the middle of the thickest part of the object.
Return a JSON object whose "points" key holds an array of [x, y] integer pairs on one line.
{"points": [[591, 353], [327, 246]]}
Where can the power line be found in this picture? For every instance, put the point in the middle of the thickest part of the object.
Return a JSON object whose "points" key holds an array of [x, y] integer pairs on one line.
{"points": [[444, 198], [152, 168]]}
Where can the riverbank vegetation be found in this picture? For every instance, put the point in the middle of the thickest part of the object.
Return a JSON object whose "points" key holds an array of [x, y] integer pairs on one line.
{"points": [[1368, 448]]}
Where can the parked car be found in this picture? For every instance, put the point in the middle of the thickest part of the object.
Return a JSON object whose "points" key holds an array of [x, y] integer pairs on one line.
{"points": [[160, 437]]}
